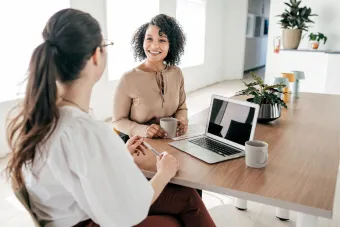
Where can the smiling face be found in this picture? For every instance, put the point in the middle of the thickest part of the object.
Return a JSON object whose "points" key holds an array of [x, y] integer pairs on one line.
{"points": [[156, 46]]}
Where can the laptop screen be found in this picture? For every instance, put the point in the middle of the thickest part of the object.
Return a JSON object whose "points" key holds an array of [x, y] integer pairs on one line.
{"points": [[231, 121]]}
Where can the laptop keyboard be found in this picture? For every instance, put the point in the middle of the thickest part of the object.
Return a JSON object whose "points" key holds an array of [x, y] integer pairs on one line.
{"points": [[215, 146]]}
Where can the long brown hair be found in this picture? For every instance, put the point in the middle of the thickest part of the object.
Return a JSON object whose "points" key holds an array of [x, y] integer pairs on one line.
{"points": [[70, 39]]}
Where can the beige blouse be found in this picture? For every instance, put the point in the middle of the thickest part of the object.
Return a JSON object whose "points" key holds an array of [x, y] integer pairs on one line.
{"points": [[138, 100]]}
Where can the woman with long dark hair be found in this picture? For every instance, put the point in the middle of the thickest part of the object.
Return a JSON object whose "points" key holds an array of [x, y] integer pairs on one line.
{"points": [[77, 172]]}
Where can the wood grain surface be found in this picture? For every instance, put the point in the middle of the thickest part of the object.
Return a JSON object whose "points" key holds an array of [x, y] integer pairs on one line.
{"points": [[303, 165]]}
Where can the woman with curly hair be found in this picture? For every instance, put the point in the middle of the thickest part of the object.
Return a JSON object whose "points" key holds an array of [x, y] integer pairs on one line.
{"points": [[154, 89]]}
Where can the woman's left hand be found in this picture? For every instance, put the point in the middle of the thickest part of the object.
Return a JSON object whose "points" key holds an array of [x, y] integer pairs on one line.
{"points": [[182, 127], [135, 145]]}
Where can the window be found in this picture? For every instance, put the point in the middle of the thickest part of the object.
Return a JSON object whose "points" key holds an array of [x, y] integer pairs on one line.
{"points": [[123, 18], [194, 28], [21, 29]]}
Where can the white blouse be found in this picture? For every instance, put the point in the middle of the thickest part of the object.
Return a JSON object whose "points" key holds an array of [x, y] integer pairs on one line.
{"points": [[83, 171]]}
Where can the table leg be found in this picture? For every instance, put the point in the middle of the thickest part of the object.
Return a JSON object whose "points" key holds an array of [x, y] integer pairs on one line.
{"points": [[306, 220], [282, 214], [240, 204]]}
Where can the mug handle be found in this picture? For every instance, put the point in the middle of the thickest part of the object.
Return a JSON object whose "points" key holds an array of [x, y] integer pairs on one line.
{"points": [[265, 157]]}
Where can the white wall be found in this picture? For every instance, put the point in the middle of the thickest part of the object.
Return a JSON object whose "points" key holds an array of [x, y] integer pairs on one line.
{"points": [[212, 70], [235, 22], [327, 22], [217, 65], [313, 64], [332, 84], [256, 52], [256, 47]]}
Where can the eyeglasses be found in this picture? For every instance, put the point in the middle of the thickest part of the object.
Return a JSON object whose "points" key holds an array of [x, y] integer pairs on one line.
{"points": [[107, 43]]}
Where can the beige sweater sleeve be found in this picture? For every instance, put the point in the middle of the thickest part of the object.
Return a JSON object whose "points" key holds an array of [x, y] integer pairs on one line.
{"points": [[182, 111], [121, 110]]}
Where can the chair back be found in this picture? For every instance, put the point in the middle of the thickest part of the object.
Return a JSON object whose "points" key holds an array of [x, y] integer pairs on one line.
{"points": [[22, 195]]}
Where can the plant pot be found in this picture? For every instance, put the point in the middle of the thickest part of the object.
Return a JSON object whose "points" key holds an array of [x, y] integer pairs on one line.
{"points": [[268, 112], [291, 38], [314, 45]]}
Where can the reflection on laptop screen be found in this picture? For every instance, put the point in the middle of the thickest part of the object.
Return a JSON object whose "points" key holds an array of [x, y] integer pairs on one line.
{"points": [[231, 121]]}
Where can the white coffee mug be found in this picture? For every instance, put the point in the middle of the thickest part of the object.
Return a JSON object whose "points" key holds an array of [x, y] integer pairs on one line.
{"points": [[256, 154], [169, 125]]}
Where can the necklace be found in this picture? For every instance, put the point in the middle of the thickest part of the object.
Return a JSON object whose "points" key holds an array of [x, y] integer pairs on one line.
{"points": [[161, 83], [75, 104]]}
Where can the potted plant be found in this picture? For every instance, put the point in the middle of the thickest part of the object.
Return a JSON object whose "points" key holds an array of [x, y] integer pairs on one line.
{"points": [[267, 96], [314, 39], [293, 21]]}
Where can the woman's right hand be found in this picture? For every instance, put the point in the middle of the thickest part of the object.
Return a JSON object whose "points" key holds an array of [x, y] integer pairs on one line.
{"points": [[167, 165], [155, 131]]}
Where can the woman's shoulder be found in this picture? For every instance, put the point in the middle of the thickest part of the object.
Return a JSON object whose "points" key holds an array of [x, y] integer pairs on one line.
{"points": [[132, 73], [176, 71], [75, 130], [75, 122], [174, 68]]}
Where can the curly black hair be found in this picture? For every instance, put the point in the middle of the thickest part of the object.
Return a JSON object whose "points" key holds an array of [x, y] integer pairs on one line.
{"points": [[168, 26]]}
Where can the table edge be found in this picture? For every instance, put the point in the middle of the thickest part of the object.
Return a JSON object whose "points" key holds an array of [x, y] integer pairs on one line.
{"points": [[251, 197]]}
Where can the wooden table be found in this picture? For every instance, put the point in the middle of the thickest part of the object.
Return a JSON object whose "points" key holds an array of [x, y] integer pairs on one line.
{"points": [[301, 175]]}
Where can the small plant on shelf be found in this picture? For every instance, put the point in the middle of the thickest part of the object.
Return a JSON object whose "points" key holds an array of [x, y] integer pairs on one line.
{"points": [[293, 21], [263, 93], [316, 38]]}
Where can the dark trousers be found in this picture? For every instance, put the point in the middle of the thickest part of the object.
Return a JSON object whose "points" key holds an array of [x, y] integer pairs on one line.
{"points": [[176, 206]]}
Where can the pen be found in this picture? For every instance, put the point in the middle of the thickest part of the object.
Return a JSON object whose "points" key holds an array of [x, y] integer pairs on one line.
{"points": [[151, 148]]}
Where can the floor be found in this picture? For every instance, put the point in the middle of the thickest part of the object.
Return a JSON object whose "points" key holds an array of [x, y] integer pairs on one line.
{"points": [[259, 72], [221, 208]]}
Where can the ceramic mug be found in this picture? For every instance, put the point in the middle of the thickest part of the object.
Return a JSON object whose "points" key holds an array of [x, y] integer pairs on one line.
{"points": [[169, 125], [256, 154]]}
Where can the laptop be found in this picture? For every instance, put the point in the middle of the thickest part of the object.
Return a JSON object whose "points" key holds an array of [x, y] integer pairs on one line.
{"points": [[231, 123]]}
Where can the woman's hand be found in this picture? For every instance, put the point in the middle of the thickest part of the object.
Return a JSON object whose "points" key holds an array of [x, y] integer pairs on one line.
{"points": [[155, 131], [167, 165], [182, 127], [135, 145]]}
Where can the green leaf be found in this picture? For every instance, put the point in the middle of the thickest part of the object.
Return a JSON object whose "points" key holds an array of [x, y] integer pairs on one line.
{"points": [[254, 93], [288, 4], [309, 11], [258, 100], [263, 93]]}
